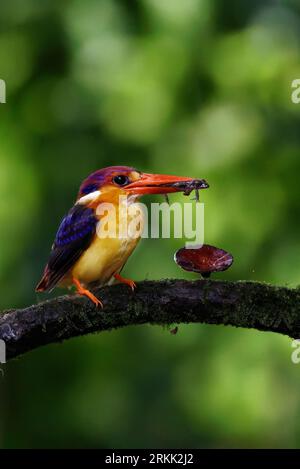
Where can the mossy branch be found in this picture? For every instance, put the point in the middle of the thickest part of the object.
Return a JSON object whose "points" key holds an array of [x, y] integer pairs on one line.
{"points": [[240, 304]]}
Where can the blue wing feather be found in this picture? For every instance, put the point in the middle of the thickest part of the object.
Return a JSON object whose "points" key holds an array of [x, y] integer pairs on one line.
{"points": [[77, 224], [73, 237]]}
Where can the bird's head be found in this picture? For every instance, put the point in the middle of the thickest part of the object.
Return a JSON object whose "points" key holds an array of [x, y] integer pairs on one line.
{"points": [[108, 184]]}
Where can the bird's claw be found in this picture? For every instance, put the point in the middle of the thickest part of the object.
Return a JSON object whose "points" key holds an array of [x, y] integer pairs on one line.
{"points": [[84, 292], [127, 281]]}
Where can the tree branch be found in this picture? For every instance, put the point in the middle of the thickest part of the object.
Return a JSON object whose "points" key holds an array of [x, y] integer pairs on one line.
{"points": [[241, 304]]}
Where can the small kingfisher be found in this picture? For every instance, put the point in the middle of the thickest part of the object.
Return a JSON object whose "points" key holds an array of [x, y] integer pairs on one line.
{"points": [[79, 256]]}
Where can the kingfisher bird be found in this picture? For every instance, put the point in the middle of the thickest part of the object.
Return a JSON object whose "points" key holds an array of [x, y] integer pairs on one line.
{"points": [[79, 256]]}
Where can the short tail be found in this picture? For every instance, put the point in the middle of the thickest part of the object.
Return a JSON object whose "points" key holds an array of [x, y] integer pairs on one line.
{"points": [[44, 283]]}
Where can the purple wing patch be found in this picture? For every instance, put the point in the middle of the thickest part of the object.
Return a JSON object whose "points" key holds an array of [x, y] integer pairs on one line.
{"points": [[74, 236], [76, 225]]}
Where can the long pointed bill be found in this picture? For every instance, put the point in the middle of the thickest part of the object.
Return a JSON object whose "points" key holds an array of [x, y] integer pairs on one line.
{"points": [[164, 184]]}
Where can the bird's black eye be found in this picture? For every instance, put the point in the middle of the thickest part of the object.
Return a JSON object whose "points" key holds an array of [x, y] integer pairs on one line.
{"points": [[121, 180]]}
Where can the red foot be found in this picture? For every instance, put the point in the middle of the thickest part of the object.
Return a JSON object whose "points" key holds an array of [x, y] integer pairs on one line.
{"points": [[127, 281], [85, 292]]}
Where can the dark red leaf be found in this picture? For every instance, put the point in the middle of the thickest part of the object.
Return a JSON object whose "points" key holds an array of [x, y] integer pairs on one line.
{"points": [[203, 260]]}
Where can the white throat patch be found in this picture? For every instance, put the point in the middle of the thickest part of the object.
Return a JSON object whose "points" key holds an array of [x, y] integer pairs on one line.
{"points": [[86, 199]]}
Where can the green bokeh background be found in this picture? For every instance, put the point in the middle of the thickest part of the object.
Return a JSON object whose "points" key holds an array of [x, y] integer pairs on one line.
{"points": [[193, 87]]}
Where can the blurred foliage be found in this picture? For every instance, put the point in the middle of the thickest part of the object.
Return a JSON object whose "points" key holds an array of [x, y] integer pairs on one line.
{"points": [[199, 88]]}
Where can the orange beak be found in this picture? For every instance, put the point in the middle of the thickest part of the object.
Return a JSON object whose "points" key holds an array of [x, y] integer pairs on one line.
{"points": [[163, 184]]}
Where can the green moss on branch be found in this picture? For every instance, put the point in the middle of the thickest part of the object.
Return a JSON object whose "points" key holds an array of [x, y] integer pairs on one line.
{"points": [[240, 304]]}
